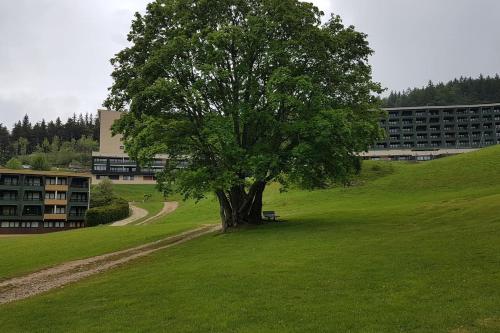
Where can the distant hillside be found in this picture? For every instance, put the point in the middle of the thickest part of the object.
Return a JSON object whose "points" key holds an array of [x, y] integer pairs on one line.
{"points": [[59, 142], [482, 90]]}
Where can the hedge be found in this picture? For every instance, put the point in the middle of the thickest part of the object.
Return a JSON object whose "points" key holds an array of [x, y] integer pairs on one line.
{"points": [[116, 211]]}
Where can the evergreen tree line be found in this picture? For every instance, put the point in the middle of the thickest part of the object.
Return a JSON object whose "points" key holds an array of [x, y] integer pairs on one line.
{"points": [[481, 90], [57, 141]]}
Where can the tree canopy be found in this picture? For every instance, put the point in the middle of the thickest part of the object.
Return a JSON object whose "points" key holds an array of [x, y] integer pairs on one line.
{"points": [[462, 91], [61, 142], [240, 93]]}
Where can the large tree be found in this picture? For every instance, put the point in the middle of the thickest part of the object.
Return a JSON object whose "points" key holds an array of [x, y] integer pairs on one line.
{"points": [[240, 93]]}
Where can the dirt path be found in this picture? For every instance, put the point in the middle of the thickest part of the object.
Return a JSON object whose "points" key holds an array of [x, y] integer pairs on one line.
{"points": [[137, 214], [168, 207], [36, 283]]}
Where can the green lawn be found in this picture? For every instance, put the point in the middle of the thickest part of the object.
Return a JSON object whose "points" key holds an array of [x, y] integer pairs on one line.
{"points": [[25, 254], [411, 248], [135, 193]]}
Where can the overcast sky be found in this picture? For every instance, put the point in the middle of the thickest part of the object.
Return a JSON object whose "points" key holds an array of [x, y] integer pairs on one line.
{"points": [[54, 54]]}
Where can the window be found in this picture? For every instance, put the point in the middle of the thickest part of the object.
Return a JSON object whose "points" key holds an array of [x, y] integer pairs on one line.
{"points": [[33, 181], [8, 211], [61, 195], [48, 224], [60, 210], [117, 169], [62, 181], [51, 181], [78, 211], [114, 177], [100, 161], [32, 196], [128, 177], [122, 147], [8, 195], [32, 211], [10, 180], [50, 195], [79, 197], [100, 168], [9, 225]]}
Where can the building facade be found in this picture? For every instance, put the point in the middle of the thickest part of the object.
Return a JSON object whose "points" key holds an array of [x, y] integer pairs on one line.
{"points": [[423, 133], [111, 162], [42, 201]]}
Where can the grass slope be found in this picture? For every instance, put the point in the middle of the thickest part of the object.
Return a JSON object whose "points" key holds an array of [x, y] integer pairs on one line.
{"points": [[135, 193], [416, 248], [23, 254]]}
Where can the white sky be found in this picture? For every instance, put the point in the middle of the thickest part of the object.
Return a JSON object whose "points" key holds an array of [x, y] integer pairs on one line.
{"points": [[54, 54]]}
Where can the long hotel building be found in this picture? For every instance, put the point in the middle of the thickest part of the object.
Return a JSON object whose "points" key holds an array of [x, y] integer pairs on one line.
{"points": [[424, 133], [42, 201], [111, 162]]}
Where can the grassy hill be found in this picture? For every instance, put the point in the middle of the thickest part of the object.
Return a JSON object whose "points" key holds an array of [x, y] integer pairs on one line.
{"points": [[411, 248]]}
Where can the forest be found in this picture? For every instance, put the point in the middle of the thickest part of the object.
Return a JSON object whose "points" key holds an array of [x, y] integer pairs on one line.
{"points": [[462, 91], [50, 144]]}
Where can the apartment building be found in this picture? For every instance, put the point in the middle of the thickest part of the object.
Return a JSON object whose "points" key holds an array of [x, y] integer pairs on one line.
{"points": [[42, 201], [424, 133], [111, 162]]}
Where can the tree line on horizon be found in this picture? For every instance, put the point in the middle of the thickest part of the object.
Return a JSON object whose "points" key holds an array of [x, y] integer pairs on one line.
{"points": [[465, 90], [58, 142]]}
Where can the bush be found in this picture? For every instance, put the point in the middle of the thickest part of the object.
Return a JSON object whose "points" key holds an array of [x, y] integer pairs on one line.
{"points": [[39, 162], [102, 194], [14, 163], [117, 210]]}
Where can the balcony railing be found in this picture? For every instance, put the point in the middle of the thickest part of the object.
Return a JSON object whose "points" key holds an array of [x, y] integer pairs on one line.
{"points": [[76, 214]]}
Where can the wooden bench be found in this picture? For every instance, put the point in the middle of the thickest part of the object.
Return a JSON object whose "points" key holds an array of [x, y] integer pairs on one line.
{"points": [[270, 215]]}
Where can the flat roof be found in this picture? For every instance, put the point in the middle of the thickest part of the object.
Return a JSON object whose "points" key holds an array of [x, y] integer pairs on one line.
{"points": [[124, 155], [441, 107], [44, 173]]}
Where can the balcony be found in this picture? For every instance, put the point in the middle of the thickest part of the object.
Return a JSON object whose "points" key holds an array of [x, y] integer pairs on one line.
{"points": [[7, 216], [9, 200], [32, 217], [55, 187], [54, 202], [76, 217], [58, 217], [9, 186]]}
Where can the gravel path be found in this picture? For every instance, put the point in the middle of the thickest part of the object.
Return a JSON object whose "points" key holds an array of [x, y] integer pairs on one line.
{"points": [[137, 214], [36, 283], [168, 207]]}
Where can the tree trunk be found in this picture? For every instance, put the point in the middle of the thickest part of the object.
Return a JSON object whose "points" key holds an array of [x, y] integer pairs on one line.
{"points": [[237, 207]]}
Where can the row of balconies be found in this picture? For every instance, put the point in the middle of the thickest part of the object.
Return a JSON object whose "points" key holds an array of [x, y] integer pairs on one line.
{"points": [[422, 113], [448, 135], [39, 215], [437, 121]]}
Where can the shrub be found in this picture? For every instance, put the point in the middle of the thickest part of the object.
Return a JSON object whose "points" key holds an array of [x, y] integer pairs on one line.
{"points": [[14, 163], [117, 210], [102, 194], [39, 162]]}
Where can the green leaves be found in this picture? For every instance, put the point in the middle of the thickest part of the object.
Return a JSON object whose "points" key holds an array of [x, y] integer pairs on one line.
{"points": [[243, 90]]}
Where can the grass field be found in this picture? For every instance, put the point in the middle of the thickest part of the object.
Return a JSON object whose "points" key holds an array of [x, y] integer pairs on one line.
{"points": [[411, 248], [135, 193], [25, 254]]}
